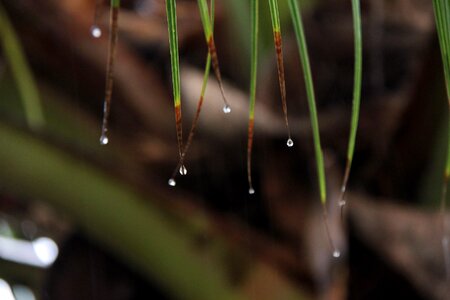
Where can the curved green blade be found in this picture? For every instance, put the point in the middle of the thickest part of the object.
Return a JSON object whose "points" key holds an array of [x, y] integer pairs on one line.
{"points": [[356, 96], [304, 57], [254, 11]]}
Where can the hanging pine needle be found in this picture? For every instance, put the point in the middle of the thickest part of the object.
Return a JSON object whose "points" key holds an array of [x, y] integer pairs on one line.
{"points": [[113, 34], [304, 57], [356, 98], [254, 11], [276, 27], [175, 67]]}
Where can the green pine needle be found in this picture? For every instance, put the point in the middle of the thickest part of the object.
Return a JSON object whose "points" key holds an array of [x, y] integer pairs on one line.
{"points": [[254, 11], [356, 94], [304, 57], [175, 68], [276, 28]]}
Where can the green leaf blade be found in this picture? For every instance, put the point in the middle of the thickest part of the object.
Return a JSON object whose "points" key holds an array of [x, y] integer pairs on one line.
{"points": [[304, 57]]}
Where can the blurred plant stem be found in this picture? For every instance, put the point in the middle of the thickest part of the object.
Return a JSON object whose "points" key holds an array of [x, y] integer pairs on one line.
{"points": [[127, 224], [112, 214], [21, 72]]}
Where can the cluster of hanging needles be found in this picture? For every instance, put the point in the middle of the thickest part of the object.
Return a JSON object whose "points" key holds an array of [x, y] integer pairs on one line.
{"points": [[276, 28], [180, 166], [207, 18]]}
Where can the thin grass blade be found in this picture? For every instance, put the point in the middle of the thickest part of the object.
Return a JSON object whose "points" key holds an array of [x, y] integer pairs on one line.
{"points": [[21, 71], [209, 35], [356, 97], [276, 27], [171, 10], [304, 57], [254, 11], [113, 36]]}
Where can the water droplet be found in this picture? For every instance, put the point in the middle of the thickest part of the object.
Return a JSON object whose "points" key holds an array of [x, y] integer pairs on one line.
{"points": [[342, 203], [226, 109], [183, 170], [336, 253], [290, 143], [96, 31], [172, 182], [343, 189], [251, 191], [104, 139]]}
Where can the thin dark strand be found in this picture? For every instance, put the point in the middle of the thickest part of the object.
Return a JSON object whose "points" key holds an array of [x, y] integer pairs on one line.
{"points": [[342, 200], [114, 16], [445, 233], [334, 250], [251, 124], [446, 61], [215, 64], [190, 137], [179, 129]]}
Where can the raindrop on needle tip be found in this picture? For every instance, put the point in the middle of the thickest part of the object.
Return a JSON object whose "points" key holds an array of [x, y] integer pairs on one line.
{"points": [[104, 139], [226, 109], [96, 32], [183, 170]]}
